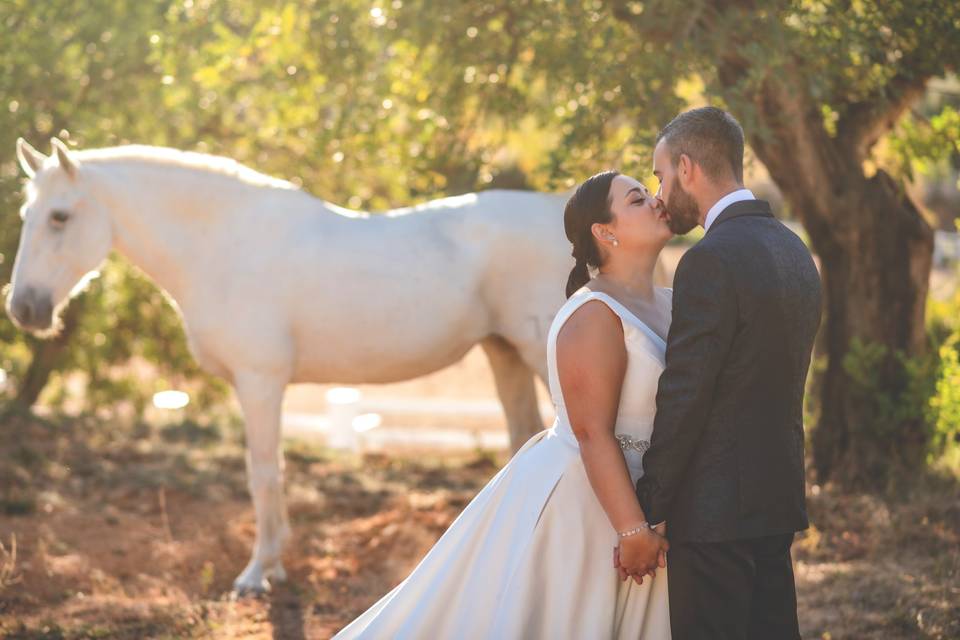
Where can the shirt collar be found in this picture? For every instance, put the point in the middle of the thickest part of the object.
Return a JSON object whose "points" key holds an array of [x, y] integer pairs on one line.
{"points": [[724, 202]]}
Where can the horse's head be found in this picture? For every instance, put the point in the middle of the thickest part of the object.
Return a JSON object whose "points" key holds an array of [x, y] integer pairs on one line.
{"points": [[66, 235]]}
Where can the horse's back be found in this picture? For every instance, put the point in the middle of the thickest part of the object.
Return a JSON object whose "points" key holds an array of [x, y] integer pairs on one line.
{"points": [[443, 275], [526, 261]]}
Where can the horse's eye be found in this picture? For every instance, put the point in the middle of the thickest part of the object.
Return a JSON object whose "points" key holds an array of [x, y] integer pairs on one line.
{"points": [[59, 217]]}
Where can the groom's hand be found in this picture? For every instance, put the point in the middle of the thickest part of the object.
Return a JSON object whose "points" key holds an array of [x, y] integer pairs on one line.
{"points": [[661, 530]]}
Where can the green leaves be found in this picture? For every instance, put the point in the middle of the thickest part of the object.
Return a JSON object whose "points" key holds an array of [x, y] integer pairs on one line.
{"points": [[927, 145], [386, 103]]}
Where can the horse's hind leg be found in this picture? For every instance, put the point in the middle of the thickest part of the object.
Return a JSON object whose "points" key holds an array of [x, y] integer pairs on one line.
{"points": [[515, 386], [260, 398]]}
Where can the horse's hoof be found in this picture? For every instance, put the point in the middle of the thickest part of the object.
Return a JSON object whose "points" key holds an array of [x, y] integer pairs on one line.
{"points": [[277, 574], [245, 586]]}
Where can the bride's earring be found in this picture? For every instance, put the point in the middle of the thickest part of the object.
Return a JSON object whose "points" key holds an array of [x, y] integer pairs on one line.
{"points": [[615, 242]]}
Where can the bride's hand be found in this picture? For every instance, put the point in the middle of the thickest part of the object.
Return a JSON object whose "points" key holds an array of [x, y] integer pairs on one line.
{"points": [[621, 572], [640, 554]]}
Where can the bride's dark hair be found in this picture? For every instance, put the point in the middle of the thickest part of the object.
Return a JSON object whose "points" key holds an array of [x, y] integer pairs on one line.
{"points": [[590, 204]]}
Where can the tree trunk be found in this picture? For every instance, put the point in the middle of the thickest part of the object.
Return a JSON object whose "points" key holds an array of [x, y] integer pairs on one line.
{"points": [[875, 251], [875, 289], [47, 357]]}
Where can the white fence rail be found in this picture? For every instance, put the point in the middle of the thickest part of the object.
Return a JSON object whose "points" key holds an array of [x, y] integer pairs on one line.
{"points": [[946, 248], [354, 423]]}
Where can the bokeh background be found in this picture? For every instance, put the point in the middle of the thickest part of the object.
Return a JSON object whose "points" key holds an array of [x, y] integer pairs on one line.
{"points": [[121, 519]]}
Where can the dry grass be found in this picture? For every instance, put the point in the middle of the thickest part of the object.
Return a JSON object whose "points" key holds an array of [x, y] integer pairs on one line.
{"points": [[8, 564], [874, 567], [137, 533]]}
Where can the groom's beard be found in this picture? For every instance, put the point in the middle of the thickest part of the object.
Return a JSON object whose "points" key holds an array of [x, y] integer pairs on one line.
{"points": [[683, 214]]}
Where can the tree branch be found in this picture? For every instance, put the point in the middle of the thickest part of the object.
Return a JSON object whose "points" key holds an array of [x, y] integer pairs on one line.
{"points": [[867, 120]]}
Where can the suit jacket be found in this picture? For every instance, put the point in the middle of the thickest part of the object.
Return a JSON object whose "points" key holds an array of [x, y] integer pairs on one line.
{"points": [[726, 457]]}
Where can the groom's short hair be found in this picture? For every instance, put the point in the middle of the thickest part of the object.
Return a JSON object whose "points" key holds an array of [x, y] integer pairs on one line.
{"points": [[711, 137]]}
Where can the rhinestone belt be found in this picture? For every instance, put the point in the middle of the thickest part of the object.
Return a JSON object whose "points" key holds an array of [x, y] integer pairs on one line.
{"points": [[628, 442]]}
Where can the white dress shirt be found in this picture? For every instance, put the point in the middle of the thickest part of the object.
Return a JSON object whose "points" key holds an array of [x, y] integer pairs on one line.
{"points": [[724, 202]]}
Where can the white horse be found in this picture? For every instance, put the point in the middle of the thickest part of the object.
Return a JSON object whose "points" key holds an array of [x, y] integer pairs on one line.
{"points": [[275, 286]]}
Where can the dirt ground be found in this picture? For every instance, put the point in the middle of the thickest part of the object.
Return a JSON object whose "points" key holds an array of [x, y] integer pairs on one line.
{"points": [[138, 532]]}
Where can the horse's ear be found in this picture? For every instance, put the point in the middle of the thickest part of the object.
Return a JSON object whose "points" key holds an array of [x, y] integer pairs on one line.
{"points": [[64, 157], [30, 159]]}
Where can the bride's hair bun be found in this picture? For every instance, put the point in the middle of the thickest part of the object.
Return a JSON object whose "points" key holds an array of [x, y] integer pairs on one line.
{"points": [[590, 204]]}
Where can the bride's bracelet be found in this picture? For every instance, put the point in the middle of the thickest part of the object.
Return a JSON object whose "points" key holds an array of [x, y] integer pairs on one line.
{"points": [[632, 532]]}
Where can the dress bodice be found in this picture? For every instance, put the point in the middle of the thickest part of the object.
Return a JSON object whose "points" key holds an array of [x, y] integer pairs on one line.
{"points": [[645, 363]]}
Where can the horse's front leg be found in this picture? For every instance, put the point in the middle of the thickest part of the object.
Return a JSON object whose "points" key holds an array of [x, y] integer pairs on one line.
{"points": [[260, 398]]}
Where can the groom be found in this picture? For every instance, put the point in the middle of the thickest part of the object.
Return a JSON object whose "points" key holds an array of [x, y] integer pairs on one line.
{"points": [[725, 465]]}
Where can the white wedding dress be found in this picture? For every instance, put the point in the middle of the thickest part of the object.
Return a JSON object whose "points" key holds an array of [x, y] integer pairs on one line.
{"points": [[531, 556]]}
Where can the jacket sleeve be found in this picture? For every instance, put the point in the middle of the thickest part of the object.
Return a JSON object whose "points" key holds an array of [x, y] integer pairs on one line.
{"points": [[701, 333]]}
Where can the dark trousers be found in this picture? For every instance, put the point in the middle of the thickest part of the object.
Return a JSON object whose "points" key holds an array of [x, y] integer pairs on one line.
{"points": [[739, 590]]}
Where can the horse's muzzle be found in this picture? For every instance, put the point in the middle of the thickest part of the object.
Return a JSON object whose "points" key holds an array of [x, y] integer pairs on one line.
{"points": [[30, 310]]}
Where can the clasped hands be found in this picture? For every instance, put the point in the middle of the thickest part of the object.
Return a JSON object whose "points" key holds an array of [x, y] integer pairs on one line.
{"points": [[642, 554]]}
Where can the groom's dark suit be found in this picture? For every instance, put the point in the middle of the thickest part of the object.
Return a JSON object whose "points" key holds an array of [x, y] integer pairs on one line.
{"points": [[725, 465]]}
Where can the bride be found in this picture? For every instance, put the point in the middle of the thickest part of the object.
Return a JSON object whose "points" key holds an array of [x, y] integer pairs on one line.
{"points": [[536, 553]]}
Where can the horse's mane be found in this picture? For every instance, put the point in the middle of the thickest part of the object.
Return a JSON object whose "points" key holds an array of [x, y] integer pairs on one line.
{"points": [[187, 159]]}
